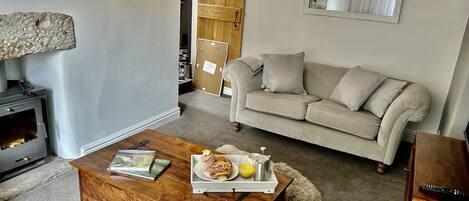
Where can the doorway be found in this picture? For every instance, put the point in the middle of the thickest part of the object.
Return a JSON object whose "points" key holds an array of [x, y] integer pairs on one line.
{"points": [[185, 44], [220, 21]]}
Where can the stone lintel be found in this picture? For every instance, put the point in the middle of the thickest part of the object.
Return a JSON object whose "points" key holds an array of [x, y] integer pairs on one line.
{"points": [[23, 33]]}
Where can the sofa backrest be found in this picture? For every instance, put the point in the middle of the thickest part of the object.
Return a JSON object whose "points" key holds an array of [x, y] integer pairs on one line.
{"points": [[320, 79]]}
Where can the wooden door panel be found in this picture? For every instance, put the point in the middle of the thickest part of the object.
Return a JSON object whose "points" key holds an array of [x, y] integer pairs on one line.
{"points": [[222, 20], [223, 13]]}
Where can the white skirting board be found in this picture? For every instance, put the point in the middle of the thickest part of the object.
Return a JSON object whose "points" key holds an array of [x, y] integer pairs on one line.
{"points": [[151, 123]]}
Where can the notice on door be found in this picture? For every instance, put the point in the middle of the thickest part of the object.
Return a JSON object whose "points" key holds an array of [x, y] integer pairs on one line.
{"points": [[210, 67]]}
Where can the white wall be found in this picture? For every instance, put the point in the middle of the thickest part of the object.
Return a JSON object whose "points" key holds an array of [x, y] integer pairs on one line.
{"points": [[456, 115], [422, 48], [122, 72]]}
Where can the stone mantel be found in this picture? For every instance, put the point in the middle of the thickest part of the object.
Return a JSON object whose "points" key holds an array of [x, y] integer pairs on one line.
{"points": [[23, 33]]}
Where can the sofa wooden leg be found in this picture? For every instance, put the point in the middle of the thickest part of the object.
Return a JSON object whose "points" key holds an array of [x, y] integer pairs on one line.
{"points": [[236, 126], [382, 168]]}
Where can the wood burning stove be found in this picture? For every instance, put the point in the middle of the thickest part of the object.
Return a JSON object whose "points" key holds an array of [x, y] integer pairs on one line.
{"points": [[23, 131]]}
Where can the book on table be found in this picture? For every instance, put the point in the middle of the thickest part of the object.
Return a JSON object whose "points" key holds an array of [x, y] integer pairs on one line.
{"points": [[133, 160], [158, 166], [139, 164]]}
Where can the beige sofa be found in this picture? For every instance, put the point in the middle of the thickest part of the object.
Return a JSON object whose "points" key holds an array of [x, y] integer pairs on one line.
{"points": [[315, 119]]}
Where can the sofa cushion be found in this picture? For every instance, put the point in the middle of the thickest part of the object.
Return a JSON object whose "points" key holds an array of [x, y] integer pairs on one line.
{"points": [[379, 102], [356, 86], [330, 114], [320, 79], [286, 105], [283, 73]]}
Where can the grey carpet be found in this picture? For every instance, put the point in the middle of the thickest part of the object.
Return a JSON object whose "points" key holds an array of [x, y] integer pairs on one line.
{"points": [[338, 176]]}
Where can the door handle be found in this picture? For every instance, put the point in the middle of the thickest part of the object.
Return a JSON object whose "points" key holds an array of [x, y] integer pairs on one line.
{"points": [[23, 159], [235, 24]]}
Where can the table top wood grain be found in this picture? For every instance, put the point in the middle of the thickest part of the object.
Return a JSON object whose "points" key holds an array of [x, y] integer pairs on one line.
{"points": [[174, 182], [441, 161]]}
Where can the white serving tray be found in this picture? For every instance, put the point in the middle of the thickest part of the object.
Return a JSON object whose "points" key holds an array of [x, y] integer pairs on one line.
{"points": [[238, 184]]}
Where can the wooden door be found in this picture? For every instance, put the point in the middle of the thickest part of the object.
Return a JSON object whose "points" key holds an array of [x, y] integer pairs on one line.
{"points": [[222, 20]]}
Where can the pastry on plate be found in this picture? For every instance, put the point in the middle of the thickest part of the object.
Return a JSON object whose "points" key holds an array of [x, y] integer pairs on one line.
{"points": [[221, 169], [208, 159]]}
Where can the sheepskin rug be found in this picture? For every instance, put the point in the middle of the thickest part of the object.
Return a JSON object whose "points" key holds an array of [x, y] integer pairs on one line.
{"points": [[302, 189]]}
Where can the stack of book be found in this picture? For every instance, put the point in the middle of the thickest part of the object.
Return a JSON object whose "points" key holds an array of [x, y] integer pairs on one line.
{"points": [[140, 164]]}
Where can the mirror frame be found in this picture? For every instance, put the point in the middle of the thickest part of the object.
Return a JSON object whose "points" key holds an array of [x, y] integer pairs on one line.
{"points": [[360, 16]]}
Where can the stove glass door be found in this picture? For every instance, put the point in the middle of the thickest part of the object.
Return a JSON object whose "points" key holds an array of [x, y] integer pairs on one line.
{"points": [[18, 128]]}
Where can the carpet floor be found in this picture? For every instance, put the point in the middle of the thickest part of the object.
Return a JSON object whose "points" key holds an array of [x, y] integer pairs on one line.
{"points": [[205, 121]]}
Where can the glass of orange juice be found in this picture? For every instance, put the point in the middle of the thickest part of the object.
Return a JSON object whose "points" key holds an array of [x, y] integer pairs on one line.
{"points": [[246, 166]]}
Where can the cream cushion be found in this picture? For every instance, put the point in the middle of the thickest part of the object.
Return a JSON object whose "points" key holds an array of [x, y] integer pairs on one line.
{"points": [[320, 79], [286, 105], [356, 86], [380, 100], [283, 73], [330, 114]]}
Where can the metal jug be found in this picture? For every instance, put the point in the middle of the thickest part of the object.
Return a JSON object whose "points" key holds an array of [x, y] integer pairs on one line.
{"points": [[263, 167]]}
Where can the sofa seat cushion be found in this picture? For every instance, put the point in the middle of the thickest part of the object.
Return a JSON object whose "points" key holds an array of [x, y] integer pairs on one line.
{"points": [[333, 115], [286, 105]]}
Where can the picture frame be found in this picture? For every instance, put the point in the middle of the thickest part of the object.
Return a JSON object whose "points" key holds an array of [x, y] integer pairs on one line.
{"points": [[307, 10]]}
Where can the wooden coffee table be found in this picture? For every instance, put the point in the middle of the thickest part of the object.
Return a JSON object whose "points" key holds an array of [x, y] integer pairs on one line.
{"points": [[173, 184]]}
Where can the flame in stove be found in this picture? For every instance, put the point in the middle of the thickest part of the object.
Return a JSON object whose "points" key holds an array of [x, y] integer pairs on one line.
{"points": [[13, 143], [16, 143]]}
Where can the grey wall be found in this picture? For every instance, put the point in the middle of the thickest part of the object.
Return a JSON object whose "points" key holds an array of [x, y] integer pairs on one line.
{"points": [[13, 69], [422, 48], [456, 115], [123, 71]]}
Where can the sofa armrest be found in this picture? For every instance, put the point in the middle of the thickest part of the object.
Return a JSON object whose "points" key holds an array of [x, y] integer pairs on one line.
{"points": [[411, 105], [242, 81]]}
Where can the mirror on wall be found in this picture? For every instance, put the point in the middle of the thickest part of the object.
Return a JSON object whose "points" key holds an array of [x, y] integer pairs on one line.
{"points": [[376, 10]]}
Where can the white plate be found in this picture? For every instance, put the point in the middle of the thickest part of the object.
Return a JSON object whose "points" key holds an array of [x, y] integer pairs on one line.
{"points": [[200, 171]]}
